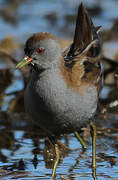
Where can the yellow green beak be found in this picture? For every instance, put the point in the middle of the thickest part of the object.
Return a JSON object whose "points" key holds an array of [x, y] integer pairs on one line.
{"points": [[26, 60]]}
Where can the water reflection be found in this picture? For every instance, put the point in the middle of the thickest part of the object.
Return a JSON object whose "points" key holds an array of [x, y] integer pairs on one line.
{"points": [[21, 18], [25, 153]]}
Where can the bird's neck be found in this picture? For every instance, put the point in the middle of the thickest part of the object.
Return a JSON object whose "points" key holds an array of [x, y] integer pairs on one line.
{"points": [[38, 73]]}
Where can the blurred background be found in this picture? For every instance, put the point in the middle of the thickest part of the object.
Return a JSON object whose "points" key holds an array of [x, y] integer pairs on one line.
{"points": [[24, 152]]}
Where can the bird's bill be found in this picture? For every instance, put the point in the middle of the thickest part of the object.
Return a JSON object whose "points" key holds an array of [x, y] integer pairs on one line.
{"points": [[26, 60]]}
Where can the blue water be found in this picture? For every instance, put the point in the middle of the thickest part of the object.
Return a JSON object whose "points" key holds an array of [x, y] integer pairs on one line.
{"points": [[30, 18], [30, 15]]}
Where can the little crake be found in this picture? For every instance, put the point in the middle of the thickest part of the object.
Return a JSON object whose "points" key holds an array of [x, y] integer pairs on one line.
{"points": [[62, 93]]}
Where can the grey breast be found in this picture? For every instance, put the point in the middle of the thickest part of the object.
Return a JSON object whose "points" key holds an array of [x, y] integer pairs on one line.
{"points": [[55, 107]]}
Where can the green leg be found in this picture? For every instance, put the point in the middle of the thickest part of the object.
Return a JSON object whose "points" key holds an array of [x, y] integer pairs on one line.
{"points": [[56, 161], [53, 140], [80, 140], [93, 134]]}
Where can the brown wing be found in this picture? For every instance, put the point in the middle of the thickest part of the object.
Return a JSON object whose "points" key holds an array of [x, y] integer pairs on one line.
{"points": [[84, 37], [82, 58], [83, 31]]}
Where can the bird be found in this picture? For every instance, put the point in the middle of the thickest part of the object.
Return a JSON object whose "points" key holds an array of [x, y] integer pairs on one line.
{"points": [[63, 91]]}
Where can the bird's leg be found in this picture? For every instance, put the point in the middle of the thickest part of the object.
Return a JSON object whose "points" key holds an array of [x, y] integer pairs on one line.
{"points": [[93, 134], [54, 142], [80, 140], [56, 161]]}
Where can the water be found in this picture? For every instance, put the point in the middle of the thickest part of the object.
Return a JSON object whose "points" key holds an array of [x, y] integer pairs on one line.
{"points": [[30, 16], [23, 152], [75, 165]]}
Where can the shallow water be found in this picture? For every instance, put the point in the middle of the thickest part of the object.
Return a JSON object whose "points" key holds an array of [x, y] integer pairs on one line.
{"points": [[24, 153], [18, 158], [34, 16]]}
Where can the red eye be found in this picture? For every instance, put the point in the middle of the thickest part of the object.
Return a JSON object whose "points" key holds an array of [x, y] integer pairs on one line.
{"points": [[40, 50]]}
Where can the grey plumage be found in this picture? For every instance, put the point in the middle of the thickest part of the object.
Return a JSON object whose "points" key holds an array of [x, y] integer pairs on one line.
{"points": [[52, 103], [55, 107]]}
